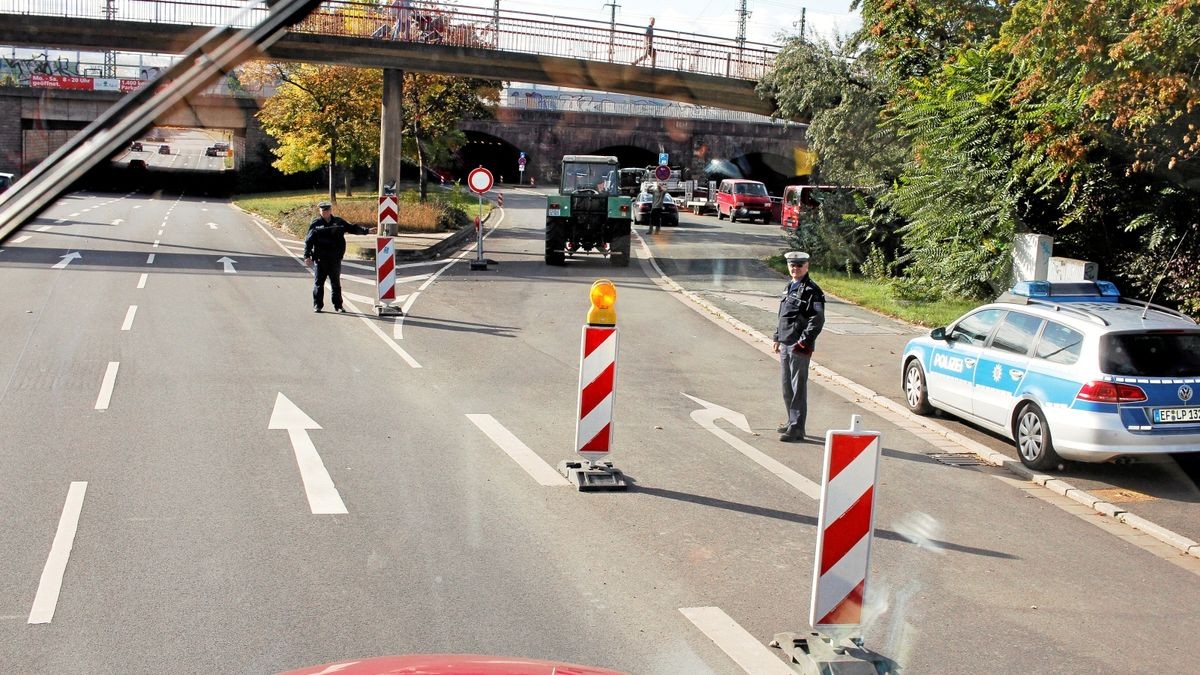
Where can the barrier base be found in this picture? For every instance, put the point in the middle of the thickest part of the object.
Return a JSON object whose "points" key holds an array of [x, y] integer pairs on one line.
{"points": [[388, 310], [482, 264], [816, 653], [593, 477]]}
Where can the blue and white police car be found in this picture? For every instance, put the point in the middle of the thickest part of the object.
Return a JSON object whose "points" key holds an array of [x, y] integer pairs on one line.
{"points": [[1067, 370]]}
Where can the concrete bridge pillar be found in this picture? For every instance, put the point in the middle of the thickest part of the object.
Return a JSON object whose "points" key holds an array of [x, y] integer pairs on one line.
{"points": [[391, 125]]}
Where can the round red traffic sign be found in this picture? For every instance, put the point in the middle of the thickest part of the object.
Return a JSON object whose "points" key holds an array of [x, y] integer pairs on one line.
{"points": [[663, 172], [479, 180]]}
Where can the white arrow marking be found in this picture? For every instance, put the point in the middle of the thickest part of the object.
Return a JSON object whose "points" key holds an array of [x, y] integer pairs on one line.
{"points": [[707, 418], [228, 263], [45, 228], [60, 552], [212, 226], [66, 260], [323, 497]]}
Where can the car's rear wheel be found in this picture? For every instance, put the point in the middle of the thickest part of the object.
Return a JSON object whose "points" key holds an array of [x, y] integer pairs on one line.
{"points": [[732, 218], [1032, 435], [619, 251], [915, 393], [555, 242]]}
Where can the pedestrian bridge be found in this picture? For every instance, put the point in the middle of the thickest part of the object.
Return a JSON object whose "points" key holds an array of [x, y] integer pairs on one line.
{"points": [[436, 38]]}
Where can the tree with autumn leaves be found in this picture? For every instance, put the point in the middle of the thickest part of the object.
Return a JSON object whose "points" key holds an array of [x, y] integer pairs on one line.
{"points": [[986, 118], [329, 116]]}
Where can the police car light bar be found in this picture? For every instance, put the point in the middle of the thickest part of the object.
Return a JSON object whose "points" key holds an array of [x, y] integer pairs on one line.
{"points": [[1068, 291]]}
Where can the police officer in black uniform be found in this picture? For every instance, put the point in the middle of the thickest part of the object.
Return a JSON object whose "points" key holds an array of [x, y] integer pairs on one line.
{"points": [[326, 244], [801, 316]]}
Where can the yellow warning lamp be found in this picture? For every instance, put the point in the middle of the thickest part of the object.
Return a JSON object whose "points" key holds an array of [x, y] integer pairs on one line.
{"points": [[603, 296]]}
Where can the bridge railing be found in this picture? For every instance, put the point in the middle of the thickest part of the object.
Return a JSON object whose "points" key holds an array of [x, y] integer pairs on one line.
{"points": [[450, 25], [589, 104]]}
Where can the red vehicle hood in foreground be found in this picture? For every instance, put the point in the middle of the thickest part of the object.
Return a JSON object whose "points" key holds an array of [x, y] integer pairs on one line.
{"points": [[449, 664]]}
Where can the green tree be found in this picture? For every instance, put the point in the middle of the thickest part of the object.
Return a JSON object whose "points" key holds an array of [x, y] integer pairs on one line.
{"points": [[322, 116], [433, 107]]}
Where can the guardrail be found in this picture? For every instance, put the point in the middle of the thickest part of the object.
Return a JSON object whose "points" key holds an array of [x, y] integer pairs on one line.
{"points": [[588, 104], [451, 25]]}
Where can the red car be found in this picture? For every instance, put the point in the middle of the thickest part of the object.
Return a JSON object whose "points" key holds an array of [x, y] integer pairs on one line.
{"points": [[737, 198]]}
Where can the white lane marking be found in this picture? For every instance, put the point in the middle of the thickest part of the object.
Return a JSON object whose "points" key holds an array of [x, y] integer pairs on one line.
{"points": [[46, 599], [142, 280], [415, 277], [21, 239], [74, 215], [358, 298], [117, 221], [211, 226], [60, 220], [45, 228], [358, 266], [351, 277], [228, 263], [753, 656], [129, 318], [160, 233], [391, 343], [323, 497], [527, 459], [150, 259], [106, 386], [138, 206], [155, 243]]}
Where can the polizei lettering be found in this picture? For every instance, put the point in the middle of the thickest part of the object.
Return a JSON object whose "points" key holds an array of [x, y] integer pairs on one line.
{"points": [[951, 363]]}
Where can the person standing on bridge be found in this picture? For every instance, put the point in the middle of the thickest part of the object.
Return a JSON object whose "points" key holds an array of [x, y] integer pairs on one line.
{"points": [[801, 317], [326, 244], [403, 13], [649, 45]]}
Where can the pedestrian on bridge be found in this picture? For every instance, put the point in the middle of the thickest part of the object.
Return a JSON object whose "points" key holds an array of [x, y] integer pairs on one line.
{"points": [[326, 244], [402, 30], [801, 317], [650, 54]]}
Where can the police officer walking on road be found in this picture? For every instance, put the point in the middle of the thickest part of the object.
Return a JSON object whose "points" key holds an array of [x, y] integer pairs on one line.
{"points": [[326, 244], [801, 316]]}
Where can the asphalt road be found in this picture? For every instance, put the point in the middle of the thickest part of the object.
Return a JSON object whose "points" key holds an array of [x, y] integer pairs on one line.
{"points": [[268, 488], [185, 150], [722, 262]]}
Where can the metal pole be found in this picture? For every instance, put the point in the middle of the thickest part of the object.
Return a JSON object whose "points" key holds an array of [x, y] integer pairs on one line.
{"points": [[612, 28]]}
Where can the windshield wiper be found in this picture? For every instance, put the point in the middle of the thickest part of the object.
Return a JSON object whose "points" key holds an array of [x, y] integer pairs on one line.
{"points": [[208, 58]]}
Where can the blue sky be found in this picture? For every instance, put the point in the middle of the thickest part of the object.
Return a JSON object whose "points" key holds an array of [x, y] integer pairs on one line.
{"points": [[706, 17]]}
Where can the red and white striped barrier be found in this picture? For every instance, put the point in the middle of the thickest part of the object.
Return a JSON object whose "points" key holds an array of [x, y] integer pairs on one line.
{"points": [[597, 376], [385, 268], [385, 256], [845, 528], [499, 200]]}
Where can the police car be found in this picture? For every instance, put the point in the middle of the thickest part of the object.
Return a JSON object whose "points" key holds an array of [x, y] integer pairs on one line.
{"points": [[1067, 370]]}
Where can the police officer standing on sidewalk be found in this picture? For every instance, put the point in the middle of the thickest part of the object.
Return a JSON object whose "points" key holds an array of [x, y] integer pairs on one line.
{"points": [[801, 316], [326, 244]]}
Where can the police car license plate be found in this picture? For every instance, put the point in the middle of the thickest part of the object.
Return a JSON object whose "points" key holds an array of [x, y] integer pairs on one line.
{"points": [[554, 212], [1169, 415]]}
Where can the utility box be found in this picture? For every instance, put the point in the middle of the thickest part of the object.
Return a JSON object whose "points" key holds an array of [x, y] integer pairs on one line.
{"points": [[1031, 257], [1069, 269]]}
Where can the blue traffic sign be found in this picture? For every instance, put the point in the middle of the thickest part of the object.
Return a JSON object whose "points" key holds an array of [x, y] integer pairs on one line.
{"points": [[662, 158]]}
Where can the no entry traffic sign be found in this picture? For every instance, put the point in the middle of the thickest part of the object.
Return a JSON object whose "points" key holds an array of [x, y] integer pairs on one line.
{"points": [[479, 180]]}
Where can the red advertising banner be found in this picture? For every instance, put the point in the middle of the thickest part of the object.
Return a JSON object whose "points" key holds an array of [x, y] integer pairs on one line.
{"points": [[60, 82]]}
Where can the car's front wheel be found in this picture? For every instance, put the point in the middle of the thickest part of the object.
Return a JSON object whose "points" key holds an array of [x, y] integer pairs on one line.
{"points": [[915, 393], [1032, 435]]}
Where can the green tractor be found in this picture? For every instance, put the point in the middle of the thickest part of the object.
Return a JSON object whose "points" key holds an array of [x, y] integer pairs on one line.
{"points": [[588, 215]]}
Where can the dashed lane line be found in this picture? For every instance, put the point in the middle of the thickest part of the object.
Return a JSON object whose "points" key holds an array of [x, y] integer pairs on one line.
{"points": [[128, 323], [106, 385], [142, 280], [50, 585]]}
